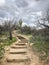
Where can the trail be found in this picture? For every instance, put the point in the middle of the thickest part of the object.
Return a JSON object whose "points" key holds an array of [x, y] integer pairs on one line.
{"points": [[20, 53]]}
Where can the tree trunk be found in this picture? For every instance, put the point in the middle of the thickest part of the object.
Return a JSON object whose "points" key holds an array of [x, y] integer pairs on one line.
{"points": [[10, 35]]}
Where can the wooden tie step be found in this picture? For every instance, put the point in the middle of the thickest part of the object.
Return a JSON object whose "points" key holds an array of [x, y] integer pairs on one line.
{"points": [[16, 63], [16, 58], [20, 44], [17, 46], [17, 51]]}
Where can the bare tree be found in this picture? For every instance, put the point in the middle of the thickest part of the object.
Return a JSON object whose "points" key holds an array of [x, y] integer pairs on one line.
{"points": [[45, 20], [9, 27]]}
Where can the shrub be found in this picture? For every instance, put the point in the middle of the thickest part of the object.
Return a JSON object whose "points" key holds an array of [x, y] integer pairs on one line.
{"points": [[2, 51]]}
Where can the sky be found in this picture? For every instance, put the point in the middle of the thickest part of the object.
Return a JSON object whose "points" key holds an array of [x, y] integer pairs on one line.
{"points": [[27, 10]]}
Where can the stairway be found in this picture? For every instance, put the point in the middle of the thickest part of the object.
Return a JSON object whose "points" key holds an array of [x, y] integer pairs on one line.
{"points": [[18, 54]]}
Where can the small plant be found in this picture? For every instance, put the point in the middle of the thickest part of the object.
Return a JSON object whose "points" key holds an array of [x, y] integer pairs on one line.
{"points": [[9, 42], [2, 51]]}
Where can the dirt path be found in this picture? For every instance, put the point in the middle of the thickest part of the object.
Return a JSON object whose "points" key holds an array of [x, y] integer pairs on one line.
{"points": [[20, 53], [17, 54]]}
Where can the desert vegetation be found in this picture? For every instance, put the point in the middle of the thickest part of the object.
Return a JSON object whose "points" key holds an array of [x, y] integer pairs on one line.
{"points": [[6, 37]]}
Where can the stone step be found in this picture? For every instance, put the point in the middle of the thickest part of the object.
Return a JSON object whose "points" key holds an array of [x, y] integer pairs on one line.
{"points": [[18, 51], [17, 46], [16, 58]]}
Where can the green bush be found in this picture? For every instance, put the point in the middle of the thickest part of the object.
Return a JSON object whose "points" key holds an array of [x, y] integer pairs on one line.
{"points": [[5, 43], [2, 51], [40, 43], [9, 42]]}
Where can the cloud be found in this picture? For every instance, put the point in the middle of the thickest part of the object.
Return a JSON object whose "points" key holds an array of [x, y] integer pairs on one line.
{"points": [[21, 3], [28, 10], [24, 24], [2, 2]]}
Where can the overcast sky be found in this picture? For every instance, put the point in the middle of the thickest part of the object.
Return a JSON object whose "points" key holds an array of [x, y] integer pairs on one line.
{"points": [[27, 10]]}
